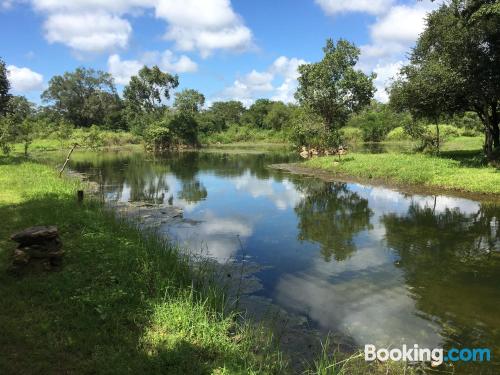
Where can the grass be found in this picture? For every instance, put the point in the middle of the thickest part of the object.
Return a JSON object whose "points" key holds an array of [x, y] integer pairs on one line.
{"points": [[125, 301], [414, 169], [244, 134]]}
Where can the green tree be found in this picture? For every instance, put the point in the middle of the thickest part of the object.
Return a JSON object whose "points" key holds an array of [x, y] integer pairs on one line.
{"points": [[83, 97], [189, 100], [257, 112], [227, 113], [18, 124], [145, 96], [278, 117], [377, 120], [332, 88], [4, 88], [459, 52]]}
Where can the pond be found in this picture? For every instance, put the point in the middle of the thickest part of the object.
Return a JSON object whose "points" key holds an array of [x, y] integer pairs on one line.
{"points": [[373, 264]]}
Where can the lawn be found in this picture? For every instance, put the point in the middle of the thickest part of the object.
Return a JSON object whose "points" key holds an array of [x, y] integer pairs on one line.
{"points": [[462, 171]]}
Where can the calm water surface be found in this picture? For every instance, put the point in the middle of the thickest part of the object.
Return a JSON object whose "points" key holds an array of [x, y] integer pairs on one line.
{"points": [[371, 263]]}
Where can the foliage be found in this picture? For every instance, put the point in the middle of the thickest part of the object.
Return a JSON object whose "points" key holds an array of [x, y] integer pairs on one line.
{"points": [[236, 133], [332, 88], [226, 113], [377, 120], [145, 95], [4, 88], [351, 134], [257, 112], [189, 100], [278, 116], [455, 67], [172, 130], [84, 97]]}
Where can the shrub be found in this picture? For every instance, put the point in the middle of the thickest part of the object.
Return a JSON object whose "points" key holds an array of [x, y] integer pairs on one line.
{"points": [[352, 135], [398, 134]]}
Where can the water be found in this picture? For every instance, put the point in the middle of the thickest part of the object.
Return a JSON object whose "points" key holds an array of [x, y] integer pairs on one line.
{"points": [[373, 264]]}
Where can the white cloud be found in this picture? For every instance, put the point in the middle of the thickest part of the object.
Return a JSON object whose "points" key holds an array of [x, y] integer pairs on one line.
{"points": [[402, 24], [97, 25], [392, 35], [385, 74], [88, 32], [122, 70], [24, 80], [344, 6], [258, 84], [204, 25]]}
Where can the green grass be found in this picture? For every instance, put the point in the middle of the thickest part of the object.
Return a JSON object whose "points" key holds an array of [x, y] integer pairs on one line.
{"points": [[124, 302], [244, 134], [414, 169]]}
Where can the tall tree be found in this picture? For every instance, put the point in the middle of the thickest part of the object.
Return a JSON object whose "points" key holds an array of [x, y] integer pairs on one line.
{"points": [[228, 113], [83, 97], [332, 88], [460, 51], [4, 88], [148, 89], [189, 100], [257, 112]]}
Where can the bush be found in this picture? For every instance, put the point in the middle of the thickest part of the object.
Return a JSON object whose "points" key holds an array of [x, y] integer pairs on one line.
{"points": [[398, 134], [352, 135]]}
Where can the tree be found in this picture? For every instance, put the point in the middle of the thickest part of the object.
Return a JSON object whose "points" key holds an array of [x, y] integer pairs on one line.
{"points": [[257, 112], [377, 120], [83, 97], [18, 123], [145, 94], [189, 100], [456, 66], [147, 90], [4, 88], [278, 117], [227, 113], [332, 88]]}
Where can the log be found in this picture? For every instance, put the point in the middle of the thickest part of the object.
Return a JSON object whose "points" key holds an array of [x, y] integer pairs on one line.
{"points": [[67, 159]]}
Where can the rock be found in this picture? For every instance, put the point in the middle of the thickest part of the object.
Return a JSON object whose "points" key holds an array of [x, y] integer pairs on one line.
{"points": [[35, 235], [20, 258], [37, 244]]}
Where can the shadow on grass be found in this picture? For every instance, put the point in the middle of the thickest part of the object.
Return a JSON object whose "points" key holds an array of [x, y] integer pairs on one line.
{"points": [[100, 312], [466, 158]]}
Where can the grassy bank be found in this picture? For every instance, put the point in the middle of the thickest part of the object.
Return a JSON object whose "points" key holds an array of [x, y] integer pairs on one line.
{"points": [[460, 171], [124, 301]]}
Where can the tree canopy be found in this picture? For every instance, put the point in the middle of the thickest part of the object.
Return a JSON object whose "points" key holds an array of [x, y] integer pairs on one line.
{"points": [[189, 100], [83, 97], [455, 67], [4, 88], [148, 89], [332, 88]]}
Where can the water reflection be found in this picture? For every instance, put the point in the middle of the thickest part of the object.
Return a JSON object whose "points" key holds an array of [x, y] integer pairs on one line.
{"points": [[375, 264]]}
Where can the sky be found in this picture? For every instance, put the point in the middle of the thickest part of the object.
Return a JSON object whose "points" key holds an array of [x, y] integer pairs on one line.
{"points": [[226, 49]]}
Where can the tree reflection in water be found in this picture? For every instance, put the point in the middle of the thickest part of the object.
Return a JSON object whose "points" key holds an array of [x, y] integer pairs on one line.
{"points": [[331, 215]]}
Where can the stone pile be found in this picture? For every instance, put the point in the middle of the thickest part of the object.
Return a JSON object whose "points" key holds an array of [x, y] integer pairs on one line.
{"points": [[38, 244]]}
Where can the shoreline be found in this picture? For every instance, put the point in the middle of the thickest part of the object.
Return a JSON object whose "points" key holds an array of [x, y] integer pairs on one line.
{"points": [[421, 189]]}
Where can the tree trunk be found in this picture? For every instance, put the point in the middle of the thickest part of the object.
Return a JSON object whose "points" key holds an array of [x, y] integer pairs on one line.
{"points": [[492, 138]]}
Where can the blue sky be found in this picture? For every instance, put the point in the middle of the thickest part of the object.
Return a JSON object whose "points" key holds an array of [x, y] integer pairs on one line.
{"points": [[237, 49]]}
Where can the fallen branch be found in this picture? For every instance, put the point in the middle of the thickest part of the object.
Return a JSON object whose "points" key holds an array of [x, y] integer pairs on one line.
{"points": [[67, 159]]}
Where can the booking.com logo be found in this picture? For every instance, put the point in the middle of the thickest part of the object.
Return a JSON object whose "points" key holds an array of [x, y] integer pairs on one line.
{"points": [[435, 356]]}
